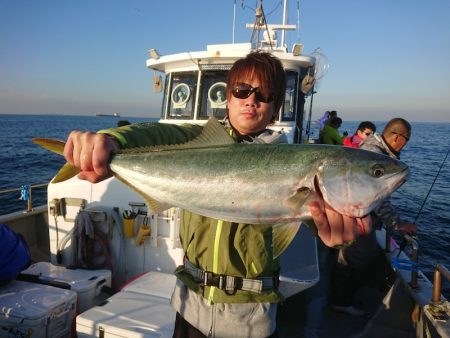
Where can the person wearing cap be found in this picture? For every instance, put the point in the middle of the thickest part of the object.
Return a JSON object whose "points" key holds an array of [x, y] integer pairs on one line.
{"points": [[354, 262]]}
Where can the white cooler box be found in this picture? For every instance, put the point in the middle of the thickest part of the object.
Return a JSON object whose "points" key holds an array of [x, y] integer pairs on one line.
{"points": [[36, 311], [141, 309], [88, 284]]}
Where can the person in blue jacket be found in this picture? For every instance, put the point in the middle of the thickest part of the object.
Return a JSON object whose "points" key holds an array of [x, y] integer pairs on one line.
{"points": [[14, 254]]}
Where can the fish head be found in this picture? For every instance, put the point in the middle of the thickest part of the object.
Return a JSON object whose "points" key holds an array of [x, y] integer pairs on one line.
{"points": [[355, 181]]}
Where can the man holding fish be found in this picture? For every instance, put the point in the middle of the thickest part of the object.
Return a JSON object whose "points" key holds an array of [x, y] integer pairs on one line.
{"points": [[227, 285]]}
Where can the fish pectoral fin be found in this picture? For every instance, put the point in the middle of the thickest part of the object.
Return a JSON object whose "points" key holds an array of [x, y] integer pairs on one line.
{"points": [[67, 171], [298, 199], [282, 236]]}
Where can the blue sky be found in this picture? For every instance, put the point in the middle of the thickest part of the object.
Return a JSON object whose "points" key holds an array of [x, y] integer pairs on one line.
{"points": [[387, 57]]}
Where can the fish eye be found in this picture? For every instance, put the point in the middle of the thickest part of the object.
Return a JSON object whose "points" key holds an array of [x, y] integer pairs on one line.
{"points": [[377, 170]]}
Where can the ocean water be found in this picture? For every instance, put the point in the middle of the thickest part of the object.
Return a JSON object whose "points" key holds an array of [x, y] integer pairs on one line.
{"points": [[24, 163]]}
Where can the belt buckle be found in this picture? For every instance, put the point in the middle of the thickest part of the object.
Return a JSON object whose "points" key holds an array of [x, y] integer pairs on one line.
{"points": [[212, 279]]}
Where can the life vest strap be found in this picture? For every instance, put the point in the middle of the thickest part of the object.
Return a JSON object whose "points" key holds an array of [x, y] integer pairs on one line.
{"points": [[230, 284]]}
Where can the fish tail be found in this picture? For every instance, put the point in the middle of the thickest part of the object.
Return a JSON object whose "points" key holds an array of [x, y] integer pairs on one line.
{"points": [[57, 146], [53, 145]]}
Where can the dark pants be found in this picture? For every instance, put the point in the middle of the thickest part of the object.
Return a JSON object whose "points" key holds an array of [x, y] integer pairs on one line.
{"points": [[346, 279], [185, 330]]}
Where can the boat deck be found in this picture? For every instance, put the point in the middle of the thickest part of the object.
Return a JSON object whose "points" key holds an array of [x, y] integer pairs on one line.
{"points": [[308, 314]]}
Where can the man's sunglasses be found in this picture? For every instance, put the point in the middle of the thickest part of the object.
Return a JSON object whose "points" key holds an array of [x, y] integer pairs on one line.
{"points": [[243, 90], [404, 136]]}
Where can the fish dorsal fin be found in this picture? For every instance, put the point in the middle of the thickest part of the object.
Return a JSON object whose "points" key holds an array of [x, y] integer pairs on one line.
{"points": [[213, 134]]}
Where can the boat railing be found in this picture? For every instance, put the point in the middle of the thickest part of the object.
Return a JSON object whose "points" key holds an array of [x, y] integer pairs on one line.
{"points": [[439, 271], [439, 307], [26, 193], [414, 255]]}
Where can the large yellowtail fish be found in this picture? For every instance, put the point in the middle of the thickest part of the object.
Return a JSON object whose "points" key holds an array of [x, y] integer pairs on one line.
{"points": [[252, 183]]}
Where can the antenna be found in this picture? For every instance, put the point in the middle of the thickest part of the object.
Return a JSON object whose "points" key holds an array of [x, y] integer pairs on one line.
{"points": [[234, 19], [269, 39], [283, 32]]}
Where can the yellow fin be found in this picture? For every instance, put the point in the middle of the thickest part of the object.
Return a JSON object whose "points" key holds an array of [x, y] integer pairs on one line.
{"points": [[155, 206], [67, 171], [282, 236], [53, 145], [57, 146]]}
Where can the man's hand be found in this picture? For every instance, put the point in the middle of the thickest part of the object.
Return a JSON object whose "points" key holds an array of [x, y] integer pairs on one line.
{"points": [[90, 153], [334, 228]]}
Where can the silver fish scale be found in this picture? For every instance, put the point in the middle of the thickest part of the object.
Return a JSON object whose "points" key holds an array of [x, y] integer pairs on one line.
{"points": [[245, 183]]}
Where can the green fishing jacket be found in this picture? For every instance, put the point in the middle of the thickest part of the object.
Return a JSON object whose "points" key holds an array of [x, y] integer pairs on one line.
{"points": [[240, 250]]}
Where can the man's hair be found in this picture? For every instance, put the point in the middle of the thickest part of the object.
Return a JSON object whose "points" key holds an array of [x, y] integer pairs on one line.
{"points": [[397, 126], [264, 67], [366, 125]]}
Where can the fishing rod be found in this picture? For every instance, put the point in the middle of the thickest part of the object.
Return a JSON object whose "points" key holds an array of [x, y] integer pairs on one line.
{"points": [[431, 187]]}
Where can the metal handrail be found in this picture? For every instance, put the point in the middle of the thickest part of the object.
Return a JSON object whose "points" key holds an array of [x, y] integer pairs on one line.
{"points": [[29, 201], [439, 271]]}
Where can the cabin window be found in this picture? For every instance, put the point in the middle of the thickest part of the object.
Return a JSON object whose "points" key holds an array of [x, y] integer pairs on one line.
{"points": [[290, 97], [182, 95], [213, 95]]}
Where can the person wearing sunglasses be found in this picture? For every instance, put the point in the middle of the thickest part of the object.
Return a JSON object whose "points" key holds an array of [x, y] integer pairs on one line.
{"points": [[394, 138], [255, 92], [352, 265], [364, 130]]}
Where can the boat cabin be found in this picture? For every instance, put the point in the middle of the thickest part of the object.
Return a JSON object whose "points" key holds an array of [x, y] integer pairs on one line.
{"points": [[194, 85]]}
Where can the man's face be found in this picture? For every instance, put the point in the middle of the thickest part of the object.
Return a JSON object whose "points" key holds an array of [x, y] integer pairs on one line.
{"points": [[365, 133], [249, 115], [398, 142]]}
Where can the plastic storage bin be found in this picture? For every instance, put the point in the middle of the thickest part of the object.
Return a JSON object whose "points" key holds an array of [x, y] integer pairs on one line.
{"points": [[88, 284], [141, 309], [36, 311]]}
